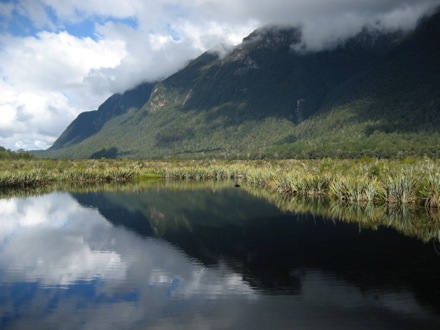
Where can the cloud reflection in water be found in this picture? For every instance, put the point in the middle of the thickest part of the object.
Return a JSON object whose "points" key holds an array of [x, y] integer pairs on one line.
{"points": [[60, 257], [65, 265]]}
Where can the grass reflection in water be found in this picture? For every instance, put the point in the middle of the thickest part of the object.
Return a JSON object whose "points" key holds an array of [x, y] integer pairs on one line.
{"points": [[408, 219]]}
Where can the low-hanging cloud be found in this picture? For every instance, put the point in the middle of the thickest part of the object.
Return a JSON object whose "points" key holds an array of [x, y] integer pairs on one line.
{"points": [[47, 64]]}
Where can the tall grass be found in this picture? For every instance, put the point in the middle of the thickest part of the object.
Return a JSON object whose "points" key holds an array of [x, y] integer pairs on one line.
{"points": [[370, 192], [34, 173], [410, 181], [430, 189]]}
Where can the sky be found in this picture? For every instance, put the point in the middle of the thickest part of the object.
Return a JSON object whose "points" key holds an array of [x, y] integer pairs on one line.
{"points": [[59, 58]]}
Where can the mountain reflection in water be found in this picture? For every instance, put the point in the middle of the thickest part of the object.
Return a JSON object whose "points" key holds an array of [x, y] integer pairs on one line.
{"points": [[205, 258]]}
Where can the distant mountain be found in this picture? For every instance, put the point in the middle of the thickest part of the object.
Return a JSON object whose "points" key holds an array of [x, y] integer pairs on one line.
{"points": [[377, 94], [90, 123]]}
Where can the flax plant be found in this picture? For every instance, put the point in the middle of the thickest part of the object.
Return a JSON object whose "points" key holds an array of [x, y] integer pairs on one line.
{"points": [[399, 189], [413, 181], [33, 173], [431, 190]]}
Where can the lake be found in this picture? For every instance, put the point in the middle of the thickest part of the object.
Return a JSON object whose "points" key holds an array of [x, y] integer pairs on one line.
{"points": [[188, 256]]}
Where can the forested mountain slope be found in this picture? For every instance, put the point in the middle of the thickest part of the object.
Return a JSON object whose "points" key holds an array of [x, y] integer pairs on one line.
{"points": [[374, 95]]}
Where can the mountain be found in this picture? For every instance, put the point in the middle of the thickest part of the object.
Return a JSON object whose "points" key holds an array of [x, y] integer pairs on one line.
{"points": [[376, 94], [90, 123]]}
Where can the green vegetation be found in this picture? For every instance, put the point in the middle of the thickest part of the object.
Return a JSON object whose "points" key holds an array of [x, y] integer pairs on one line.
{"points": [[402, 194], [410, 220], [36, 172], [374, 96], [9, 154], [408, 181], [413, 181]]}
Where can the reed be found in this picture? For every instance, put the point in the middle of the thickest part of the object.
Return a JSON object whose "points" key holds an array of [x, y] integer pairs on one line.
{"points": [[409, 220], [399, 190], [33, 173], [430, 190], [410, 181], [370, 192]]}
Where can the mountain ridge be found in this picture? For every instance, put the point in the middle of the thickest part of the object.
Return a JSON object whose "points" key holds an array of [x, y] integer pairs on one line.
{"points": [[374, 95]]}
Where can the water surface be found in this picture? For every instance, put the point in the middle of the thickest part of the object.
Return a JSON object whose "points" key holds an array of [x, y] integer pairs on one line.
{"points": [[174, 258]]}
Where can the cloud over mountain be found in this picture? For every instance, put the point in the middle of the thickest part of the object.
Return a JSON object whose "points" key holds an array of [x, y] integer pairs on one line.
{"points": [[60, 58]]}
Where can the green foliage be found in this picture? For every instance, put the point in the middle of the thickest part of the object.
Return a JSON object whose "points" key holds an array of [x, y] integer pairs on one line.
{"points": [[9, 154], [37, 172], [296, 186], [394, 182], [366, 98]]}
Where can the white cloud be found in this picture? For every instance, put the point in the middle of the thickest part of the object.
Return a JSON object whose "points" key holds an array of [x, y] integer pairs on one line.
{"points": [[51, 75], [55, 61], [36, 12], [76, 9], [405, 17], [43, 87]]}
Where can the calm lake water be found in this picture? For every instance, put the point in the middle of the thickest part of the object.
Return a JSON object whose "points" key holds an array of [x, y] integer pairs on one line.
{"points": [[172, 258]]}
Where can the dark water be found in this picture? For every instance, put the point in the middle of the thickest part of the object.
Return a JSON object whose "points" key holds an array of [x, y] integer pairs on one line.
{"points": [[205, 259]]}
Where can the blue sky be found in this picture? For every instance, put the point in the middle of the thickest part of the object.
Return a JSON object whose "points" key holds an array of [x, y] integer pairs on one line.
{"points": [[59, 58], [19, 24]]}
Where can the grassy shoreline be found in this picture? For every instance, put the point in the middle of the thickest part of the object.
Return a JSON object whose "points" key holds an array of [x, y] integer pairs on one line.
{"points": [[410, 181]]}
